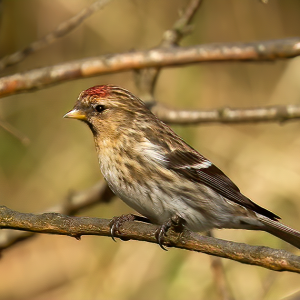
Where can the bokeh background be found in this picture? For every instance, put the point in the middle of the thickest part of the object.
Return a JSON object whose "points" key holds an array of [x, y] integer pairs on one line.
{"points": [[263, 159]]}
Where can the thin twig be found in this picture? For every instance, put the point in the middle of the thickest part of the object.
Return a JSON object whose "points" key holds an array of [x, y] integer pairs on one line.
{"points": [[182, 26], [63, 29], [278, 113], [219, 275], [99, 193], [219, 278], [267, 284], [162, 57], [15, 132], [53, 223]]}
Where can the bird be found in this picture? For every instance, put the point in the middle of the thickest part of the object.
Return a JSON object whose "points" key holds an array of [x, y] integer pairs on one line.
{"points": [[154, 171]]}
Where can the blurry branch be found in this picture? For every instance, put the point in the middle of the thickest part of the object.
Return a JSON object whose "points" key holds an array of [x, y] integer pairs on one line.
{"points": [[54, 223], [219, 275], [220, 279], [279, 113], [146, 78], [75, 202], [267, 284], [63, 29], [14, 132], [159, 57], [182, 26]]}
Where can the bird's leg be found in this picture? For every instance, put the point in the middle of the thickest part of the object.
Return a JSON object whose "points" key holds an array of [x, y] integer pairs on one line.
{"points": [[116, 222], [175, 222]]}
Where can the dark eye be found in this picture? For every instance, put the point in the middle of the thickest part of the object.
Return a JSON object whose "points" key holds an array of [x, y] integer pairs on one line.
{"points": [[99, 108]]}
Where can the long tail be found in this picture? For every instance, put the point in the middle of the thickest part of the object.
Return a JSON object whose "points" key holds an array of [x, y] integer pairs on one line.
{"points": [[280, 230]]}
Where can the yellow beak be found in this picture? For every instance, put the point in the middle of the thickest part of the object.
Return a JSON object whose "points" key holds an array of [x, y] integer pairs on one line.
{"points": [[76, 114]]}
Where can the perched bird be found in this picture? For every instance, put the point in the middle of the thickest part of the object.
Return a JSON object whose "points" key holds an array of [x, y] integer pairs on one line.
{"points": [[149, 167]]}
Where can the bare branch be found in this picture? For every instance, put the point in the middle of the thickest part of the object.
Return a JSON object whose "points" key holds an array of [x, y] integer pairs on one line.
{"points": [[279, 113], [15, 132], [99, 193], [218, 272], [161, 57], [63, 29], [146, 78], [54, 223], [219, 276], [77, 201], [181, 27]]}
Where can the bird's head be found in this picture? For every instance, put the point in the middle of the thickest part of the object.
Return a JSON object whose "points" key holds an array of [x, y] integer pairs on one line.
{"points": [[107, 109]]}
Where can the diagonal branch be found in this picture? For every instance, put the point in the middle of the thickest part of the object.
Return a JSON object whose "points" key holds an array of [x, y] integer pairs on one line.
{"points": [[54, 223], [182, 26], [15, 132], [159, 57], [63, 29], [278, 113]]}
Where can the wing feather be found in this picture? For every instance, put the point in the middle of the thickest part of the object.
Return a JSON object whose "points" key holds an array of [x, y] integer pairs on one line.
{"points": [[197, 168]]}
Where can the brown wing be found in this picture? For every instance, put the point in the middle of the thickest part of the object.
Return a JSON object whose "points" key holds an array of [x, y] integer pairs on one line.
{"points": [[197, 168]]}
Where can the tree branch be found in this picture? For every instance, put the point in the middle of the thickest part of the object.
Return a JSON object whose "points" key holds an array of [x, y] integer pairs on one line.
{"points": [[278, 113], [159, 57], [75, 202], [146, 78], [219, 276], [63, 29], [15, 132], [54, 223], [182, 26]]}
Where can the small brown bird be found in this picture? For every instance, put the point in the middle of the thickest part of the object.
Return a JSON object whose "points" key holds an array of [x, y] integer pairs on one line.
{"points": [[155, 172]]}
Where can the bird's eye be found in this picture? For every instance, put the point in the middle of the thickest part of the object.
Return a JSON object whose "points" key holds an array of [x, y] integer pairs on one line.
{"points": [[99, 108]]}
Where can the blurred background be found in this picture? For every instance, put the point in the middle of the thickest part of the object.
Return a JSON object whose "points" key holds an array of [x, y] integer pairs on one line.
{"points": [[262, 159]]}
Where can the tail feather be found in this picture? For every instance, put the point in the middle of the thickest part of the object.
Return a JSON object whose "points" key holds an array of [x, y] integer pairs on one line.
{"points": [[282, 231]]}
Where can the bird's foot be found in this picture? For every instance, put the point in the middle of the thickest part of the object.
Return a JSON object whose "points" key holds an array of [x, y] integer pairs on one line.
{"points": [[175, 222], [116, 222]]}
